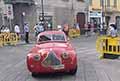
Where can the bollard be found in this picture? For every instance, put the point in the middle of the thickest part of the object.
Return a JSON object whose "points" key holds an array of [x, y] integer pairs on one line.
{"points": [[8, 39], [13, 38], [74, 33]]}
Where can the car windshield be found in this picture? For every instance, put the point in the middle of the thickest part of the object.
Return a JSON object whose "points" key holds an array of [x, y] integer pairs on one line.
{"points": [[51, 37]]}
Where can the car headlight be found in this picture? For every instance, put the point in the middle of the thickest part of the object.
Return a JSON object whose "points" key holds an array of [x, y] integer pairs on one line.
{"points": [[37, 57], [65, 55]]}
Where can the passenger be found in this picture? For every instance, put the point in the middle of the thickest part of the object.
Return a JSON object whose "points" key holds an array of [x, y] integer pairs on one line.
{"points": [[112, 30]]}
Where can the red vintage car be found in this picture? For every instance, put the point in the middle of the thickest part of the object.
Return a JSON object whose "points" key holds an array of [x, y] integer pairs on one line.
{"points": [[52, 53]]}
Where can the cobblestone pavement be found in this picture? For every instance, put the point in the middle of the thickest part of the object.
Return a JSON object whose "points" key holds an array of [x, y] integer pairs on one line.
{"points": [[90, 67]]}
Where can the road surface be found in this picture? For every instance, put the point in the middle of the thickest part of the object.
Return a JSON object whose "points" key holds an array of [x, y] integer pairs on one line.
{"points": [[90, 67]]}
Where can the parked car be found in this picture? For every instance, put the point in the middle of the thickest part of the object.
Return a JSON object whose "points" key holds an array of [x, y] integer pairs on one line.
{"points": [[53, 52]]}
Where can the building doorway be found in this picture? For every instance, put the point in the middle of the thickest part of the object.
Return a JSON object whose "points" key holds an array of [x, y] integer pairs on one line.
{"points": [[118, 22], [81, 20], [107, 20], [95, 20]]}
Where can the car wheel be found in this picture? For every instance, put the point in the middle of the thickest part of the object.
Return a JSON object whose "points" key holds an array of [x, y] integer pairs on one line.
{"points": [[34, 74], [73, 72]]}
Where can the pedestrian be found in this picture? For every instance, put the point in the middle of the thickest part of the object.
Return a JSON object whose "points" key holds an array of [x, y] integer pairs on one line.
{"points": [[86, 29], [26, 31], [101, 29], [2, 28], [35, 29], [89, 29], [6, 30], [112, 30], [38, 28], [66, 29], [92, 29], [104, 28], [77, 26], [59, 27], [95, 27], [17, 29], [41, 28]]}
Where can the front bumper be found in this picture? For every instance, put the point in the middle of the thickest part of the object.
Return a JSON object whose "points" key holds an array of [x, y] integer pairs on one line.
{"points": [[38, 68]]}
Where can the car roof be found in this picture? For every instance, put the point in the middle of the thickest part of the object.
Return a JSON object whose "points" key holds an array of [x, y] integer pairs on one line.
{"points": [[52, 32]]}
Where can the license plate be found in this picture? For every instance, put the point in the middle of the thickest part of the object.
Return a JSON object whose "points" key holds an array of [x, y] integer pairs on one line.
{"points": [[56, 67]]}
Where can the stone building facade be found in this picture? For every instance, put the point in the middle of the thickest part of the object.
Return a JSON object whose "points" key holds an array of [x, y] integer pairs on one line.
{"points": [[57, 12], [107, 11], [17, 12], [63, 11], [1, 12]]}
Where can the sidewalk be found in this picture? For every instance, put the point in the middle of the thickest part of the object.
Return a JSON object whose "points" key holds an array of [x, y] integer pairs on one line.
{"points": [[24, 43]]}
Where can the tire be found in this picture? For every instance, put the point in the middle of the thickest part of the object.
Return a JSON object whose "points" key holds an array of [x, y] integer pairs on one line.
{"points": [[34, 74], [73, 72]]}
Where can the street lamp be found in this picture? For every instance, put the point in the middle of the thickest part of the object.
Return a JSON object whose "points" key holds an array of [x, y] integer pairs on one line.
{"points": [[72, 13], [103, 10], [87, 11], [42, 12], [41, 16], [23, 13], [23, 20]]}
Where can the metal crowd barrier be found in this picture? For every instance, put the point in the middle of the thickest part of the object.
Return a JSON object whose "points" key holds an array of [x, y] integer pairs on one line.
{"points": [[8, 38], [74, 33], [108, 45], [1, 40]]}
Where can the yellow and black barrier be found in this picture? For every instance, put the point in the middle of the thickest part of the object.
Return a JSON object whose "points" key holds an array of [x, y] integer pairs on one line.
{"points": [[74, 33], [8, 38], [108, 45], [1, 40]]}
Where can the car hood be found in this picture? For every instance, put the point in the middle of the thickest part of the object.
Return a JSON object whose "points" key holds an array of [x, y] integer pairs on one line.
{"points": [[52, 51], [56, 47], [53, 45]]}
